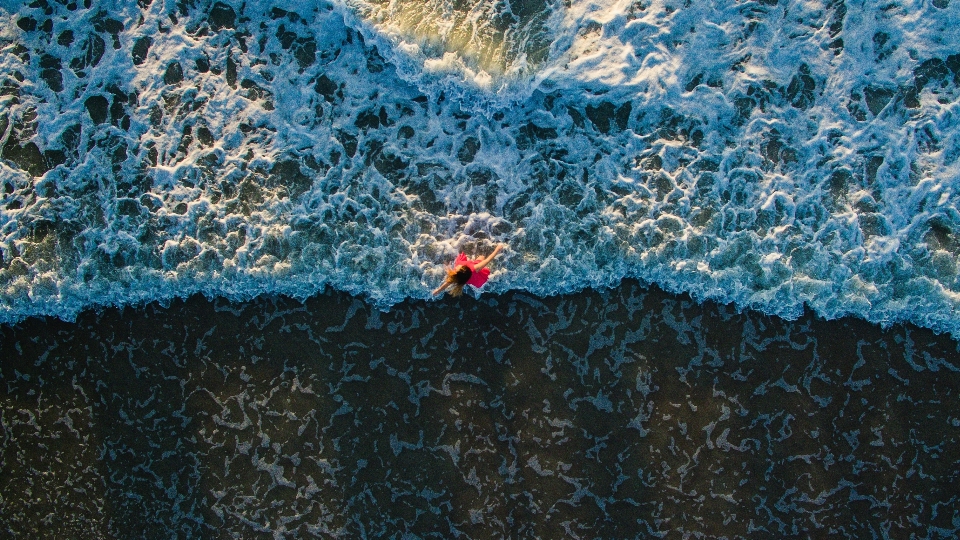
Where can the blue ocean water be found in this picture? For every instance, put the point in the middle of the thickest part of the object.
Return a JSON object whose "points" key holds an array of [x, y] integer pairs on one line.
{"points": [[780, 156]]}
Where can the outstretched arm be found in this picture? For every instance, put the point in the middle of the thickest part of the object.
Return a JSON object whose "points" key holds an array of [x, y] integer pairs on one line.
{"points": [[441, 288], [489, 258]]}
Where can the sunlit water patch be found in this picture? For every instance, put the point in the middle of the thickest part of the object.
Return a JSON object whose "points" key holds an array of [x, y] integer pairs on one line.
{"points": [[493, 47]]}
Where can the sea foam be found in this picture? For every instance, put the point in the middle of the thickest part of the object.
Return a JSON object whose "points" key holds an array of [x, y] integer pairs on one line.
{"points": [[780, 156]]}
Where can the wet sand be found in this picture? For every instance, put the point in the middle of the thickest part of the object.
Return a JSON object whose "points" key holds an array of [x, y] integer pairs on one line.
{"points": [[624, 413]]}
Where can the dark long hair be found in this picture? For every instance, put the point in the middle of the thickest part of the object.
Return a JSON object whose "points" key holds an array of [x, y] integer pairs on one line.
{"points": [[459, 277]]}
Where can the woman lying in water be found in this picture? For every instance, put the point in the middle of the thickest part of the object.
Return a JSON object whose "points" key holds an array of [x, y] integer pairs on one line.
{"points": [[467, 272]]}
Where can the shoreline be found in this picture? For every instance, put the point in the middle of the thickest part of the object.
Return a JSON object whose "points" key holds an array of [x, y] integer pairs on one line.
{"points": [[329, 290]]}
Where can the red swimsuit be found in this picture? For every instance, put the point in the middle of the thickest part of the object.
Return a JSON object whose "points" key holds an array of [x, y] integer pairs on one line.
{"points": [[478, 277]]}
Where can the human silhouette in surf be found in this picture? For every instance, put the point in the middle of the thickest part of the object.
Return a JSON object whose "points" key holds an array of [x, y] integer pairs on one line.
{"points": [[466, 272]]}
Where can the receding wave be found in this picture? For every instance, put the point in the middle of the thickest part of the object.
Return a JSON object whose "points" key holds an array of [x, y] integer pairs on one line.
{"points": [[776, 156]]}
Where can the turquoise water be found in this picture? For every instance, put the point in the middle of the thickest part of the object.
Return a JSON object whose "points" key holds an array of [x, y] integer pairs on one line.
{"points": [[777, 156]]}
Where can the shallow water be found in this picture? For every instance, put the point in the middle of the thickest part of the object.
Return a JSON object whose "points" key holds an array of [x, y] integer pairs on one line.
{"points": [[627, 413], [777, 155]]}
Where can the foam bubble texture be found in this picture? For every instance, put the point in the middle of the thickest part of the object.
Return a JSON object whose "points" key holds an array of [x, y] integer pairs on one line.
{"points": [[772, 155]]}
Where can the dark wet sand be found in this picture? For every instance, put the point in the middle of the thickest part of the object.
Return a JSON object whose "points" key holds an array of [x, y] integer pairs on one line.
{"points": [[615, 414]]}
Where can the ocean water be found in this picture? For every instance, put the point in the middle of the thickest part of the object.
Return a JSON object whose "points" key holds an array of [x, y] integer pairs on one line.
{"points": [[779, 156]]}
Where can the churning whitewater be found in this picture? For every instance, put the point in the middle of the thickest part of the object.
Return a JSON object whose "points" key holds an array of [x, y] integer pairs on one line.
{"points": [[777, 155]]}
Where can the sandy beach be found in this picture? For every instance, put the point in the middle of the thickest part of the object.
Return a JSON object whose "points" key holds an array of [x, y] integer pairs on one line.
{"points": [[624, 413]]}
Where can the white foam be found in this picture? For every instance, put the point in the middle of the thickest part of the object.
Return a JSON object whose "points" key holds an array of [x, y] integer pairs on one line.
{"points": [[671, 144]]}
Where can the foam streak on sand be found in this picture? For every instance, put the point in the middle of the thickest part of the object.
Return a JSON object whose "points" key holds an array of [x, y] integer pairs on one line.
{"points": [[615, 414], [776, 155]]}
